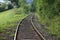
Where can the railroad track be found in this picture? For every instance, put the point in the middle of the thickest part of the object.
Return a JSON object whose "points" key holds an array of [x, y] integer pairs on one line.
{"points": [[27, 31]]}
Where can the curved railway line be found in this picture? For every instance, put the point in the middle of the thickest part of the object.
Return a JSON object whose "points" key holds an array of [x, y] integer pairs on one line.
{"points": [[27, 31]]}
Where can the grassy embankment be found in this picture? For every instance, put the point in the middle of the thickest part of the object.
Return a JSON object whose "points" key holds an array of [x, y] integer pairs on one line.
{"points": [[49, 15], [53, 25], [8, 22]]}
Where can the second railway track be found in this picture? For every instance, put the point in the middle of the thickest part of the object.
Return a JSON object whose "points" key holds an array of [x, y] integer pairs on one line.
{"points": [[27, 31]]}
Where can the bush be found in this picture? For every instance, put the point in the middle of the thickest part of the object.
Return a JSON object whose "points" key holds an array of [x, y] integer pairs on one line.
{"points": [[49, 12], [2, 7], [19, 10]]}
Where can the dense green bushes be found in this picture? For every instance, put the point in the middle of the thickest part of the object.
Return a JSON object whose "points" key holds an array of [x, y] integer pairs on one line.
{"points": [[2, 6], [49, 8], [49, 12], [5, 6], [33, 6], [24, 6]]}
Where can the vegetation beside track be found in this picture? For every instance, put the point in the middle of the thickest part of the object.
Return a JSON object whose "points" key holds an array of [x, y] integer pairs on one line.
{"points": [[8, 22], [48, 12], [52, 25]]}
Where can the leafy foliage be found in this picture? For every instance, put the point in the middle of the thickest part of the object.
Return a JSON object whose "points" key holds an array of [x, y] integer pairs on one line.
{"points": [[33, 6], [49, 12], [24, 5], [2, 6], [8, 22]]}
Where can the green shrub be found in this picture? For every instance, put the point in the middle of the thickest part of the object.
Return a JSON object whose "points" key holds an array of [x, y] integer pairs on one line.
{"points": [[19, 10], [49, 12]]}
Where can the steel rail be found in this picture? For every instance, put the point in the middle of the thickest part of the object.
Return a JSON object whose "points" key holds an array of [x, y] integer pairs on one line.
{"points": [[15, 36], [36, 30]]}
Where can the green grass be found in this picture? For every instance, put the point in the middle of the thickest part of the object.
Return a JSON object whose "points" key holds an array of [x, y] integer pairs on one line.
{"points": [[9, 20], [53, 25]]}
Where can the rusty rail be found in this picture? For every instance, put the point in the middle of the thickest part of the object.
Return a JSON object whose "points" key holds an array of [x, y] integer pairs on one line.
{"points": [[36, 30]]}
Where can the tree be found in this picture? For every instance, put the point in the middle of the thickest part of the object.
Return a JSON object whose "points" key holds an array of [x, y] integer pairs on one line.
{"points": [[16, 1], [33, 6], [24, 5]]}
